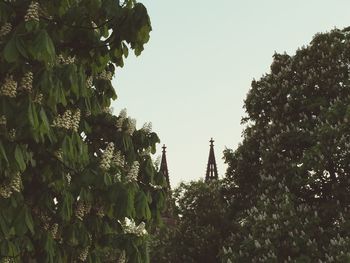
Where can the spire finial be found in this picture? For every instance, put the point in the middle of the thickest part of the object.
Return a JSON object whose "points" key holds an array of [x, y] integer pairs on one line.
{"points": [[164, 167], [212, 172]]}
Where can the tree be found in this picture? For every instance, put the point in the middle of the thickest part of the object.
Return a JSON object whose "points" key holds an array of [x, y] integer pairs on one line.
{"points": [[76, 182], [291, 173], [201, 228]]}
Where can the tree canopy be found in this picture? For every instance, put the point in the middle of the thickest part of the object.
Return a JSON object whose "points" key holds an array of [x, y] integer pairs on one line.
{"points": [[201, 227], [77, 183], [290, 175]]}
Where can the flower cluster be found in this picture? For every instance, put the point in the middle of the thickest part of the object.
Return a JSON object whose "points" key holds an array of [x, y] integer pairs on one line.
{"points": [[65, 60], [118, 159], [9, 87], [147, 127], [59, 154], [68, 120], [5, 29], [15, 185], [122, 257], [32, 12], [89, 82], [6, 260], [133, 172], [131, 123], [82, 209], [38, 98], [68, 178], [106, 75], [100, 211], [131, 126], [83, 254], [54, 231], [3, 120], [26, 83], [107, 157], [129, 227], [12, 135], [120, 121]]}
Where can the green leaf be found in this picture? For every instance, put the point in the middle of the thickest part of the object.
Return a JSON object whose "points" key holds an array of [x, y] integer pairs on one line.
{"points": [[11, 53], [43, 47], [29, 221], [3, 226], [33, 116], [19, 158], [66, 208], [21, 47], [45, 121], [19, 225], [3, 152]]}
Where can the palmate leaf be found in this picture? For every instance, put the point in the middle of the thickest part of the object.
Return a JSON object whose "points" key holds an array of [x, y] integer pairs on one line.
{"points": [[20, 158], [56, 163], [3, 152], [11, 53], [43, 48]]}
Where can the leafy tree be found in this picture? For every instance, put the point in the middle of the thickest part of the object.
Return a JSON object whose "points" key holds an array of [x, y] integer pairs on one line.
{"points": [[201, 227], [76, 182], [290, 176]]}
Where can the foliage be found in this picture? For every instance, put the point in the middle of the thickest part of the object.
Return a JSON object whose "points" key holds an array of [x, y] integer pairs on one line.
{"points": [[71, 172], [201, 227], [290, 176]]}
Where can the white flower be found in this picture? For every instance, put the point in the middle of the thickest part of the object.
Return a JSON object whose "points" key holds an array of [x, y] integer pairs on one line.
{"points": [[5, 191], [131, 126], [83, 254], [133, 172], [123, 114], [38, 98], [122, 257], [5, 29], [147, 127], [26, 83], [257, 244], [16, 183], [32, 12], [9, 88], [65, 60], [129, 227], [89, 82], [106, 75], [68, 120], [107, 156], [118, 159], [3, 120]]}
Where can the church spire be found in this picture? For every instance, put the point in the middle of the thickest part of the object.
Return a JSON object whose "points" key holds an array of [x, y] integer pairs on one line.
{"points": [[164, 168], [212, 171]]}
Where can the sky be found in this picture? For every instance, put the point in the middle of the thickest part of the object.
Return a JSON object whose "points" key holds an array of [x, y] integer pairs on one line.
{"points": [[195, 72]]}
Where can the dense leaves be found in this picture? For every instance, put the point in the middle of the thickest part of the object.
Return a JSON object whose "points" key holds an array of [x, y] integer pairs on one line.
{"points": [[70, 171], [290, 175], [201, 227]]}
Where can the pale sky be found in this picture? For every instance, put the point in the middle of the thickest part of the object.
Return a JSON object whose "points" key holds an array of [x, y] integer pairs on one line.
{"points": [[193, 76]]}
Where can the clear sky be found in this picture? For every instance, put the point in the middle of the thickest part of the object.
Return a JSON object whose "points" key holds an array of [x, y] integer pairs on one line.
{"points": [[192, 78]]}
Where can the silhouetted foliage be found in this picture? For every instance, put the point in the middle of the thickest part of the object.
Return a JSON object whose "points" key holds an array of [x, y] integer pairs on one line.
{"points": [[291, 174], [201, 228]]}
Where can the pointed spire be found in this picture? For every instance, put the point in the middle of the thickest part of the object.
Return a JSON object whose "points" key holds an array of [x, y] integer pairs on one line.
{"points": [[212, 171], [164, 167]]}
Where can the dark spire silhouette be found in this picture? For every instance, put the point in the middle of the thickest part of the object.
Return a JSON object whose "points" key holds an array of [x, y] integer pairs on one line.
{"points": [[212, 171], [164, 168]]}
